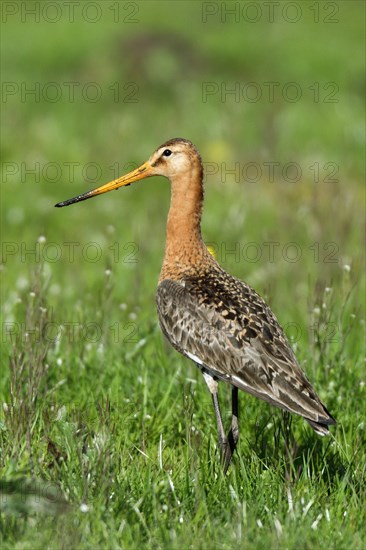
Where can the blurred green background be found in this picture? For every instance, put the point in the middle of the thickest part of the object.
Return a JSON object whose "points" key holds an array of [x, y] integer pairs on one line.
{"points": [[110, 92], [90, 93]]}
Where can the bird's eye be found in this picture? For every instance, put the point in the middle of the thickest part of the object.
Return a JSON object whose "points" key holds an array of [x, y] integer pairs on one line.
{"points": [[167, 153]]}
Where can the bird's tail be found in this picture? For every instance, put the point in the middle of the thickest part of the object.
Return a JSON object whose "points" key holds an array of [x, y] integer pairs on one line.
{"points": [[321, 427]]}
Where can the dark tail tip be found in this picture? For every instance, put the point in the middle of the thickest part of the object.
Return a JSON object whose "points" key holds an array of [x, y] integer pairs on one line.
{"points": [[321, 428]]}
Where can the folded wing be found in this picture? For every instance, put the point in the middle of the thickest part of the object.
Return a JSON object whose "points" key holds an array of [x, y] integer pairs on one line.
{"points": [[228, 330]]}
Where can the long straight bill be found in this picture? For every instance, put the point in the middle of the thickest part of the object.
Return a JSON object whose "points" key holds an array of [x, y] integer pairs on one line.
{"points": [[144, 171]]}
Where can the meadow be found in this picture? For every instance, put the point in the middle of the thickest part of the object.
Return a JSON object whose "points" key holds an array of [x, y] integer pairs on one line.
{"points": [[107, 435]]}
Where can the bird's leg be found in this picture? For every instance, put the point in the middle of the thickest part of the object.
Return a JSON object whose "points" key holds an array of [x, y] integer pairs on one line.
{"points": [[223, 440], [233, 434]]}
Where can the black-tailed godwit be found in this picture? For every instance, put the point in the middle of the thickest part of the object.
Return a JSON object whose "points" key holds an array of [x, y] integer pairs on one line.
{"points": [[214, 319]]}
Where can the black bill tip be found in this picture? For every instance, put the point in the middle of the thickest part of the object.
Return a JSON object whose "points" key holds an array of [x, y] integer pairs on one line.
{"points": [[79, 198]]}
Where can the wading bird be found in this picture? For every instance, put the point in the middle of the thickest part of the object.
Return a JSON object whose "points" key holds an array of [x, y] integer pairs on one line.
{"points": [[214, 319]]}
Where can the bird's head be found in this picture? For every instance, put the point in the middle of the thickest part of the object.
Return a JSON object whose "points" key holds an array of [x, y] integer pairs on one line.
{"points": [[172, 159]]}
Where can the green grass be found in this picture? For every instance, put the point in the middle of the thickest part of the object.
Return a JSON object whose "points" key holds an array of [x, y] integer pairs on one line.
{"points": [[107, 436]]}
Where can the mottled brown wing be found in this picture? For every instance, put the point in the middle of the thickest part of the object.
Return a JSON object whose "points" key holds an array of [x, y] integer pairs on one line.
{"points": [[227, 329]]}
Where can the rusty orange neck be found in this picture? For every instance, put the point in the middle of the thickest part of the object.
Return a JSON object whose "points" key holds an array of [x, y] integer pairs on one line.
{"points": [[185, 252]]}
